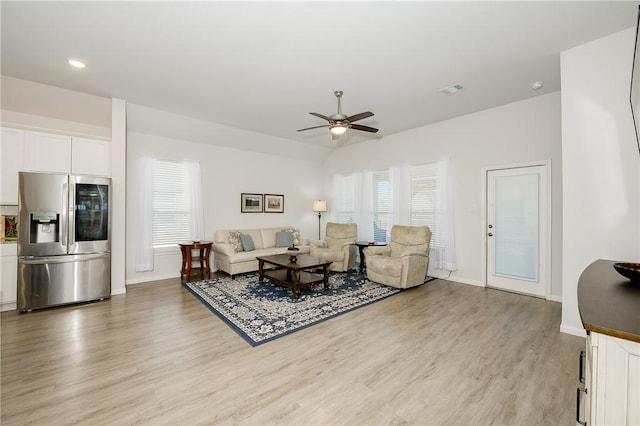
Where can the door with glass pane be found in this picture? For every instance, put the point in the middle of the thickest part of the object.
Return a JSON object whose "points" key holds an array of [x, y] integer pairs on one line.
{"points": [[516, 230]]}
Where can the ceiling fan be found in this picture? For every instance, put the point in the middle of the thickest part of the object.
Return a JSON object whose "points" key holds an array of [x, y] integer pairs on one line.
{"points": [[339, 123]]}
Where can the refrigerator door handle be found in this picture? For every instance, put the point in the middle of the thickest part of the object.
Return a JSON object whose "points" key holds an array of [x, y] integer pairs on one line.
{"points": [[64, 225], [32, 260], [72, 215]]}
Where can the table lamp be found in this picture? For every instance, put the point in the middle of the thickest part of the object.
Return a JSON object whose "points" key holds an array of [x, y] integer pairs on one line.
{"points": [[319, 206]]}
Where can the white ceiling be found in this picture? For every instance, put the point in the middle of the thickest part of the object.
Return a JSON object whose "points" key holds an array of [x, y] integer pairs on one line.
{"points": [[262, 66]]}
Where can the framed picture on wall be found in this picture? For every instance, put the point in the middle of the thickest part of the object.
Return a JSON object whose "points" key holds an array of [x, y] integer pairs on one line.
{"points": [[250, 203], [273, 203], [9, 227]]}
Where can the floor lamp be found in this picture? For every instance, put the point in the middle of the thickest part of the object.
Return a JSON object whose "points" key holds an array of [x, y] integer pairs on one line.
{"points": [[319, 206]]}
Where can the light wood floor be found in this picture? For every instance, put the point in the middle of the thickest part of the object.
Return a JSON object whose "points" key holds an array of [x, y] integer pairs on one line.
{"points": [[443, 354]]}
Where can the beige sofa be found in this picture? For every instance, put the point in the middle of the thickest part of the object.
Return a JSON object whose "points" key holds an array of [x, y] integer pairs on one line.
{"points": [[228, 255]]}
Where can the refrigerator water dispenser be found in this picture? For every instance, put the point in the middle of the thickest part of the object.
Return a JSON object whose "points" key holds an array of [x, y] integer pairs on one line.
{"points": [[44, 227]]}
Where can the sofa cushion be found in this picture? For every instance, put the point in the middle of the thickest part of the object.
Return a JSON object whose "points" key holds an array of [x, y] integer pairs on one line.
{"points": [[247, 242], [284, 239], [234, 240], [256, 236]]}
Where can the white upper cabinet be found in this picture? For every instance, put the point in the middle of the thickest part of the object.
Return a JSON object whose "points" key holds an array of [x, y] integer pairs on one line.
{"points": [[46, 152], [26, 150], [11, 162], [90, 157]]}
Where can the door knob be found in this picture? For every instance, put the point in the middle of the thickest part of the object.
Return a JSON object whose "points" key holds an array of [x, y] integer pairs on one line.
{"points": [[490, 234]]}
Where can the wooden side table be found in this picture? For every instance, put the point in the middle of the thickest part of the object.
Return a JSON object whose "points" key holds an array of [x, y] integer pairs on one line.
{"points": [[361, 245], [202, 250]]}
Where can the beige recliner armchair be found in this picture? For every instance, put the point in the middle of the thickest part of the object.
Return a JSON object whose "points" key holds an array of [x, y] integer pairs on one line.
{"points": [[338, 246], [404, 262]]}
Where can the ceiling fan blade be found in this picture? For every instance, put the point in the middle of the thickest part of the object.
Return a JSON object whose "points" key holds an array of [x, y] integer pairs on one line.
{"points": [[324, 117], [364, 128], [314, 127], [360, 116]]}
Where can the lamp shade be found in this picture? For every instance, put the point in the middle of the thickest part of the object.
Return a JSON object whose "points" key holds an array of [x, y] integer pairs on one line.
{"points": [[319, 206]]}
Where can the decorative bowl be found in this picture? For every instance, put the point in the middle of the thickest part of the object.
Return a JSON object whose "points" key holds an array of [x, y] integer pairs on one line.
{"points": [[628, 270]]}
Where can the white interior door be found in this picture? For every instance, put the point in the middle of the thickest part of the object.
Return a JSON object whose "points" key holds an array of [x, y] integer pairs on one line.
{"points": [[516, 230]]}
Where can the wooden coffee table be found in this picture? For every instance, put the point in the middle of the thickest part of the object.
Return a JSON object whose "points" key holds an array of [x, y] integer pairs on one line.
{"points": [[291, 271]]}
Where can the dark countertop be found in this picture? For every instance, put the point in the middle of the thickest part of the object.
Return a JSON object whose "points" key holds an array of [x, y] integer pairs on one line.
{"points": [[608, 302]]}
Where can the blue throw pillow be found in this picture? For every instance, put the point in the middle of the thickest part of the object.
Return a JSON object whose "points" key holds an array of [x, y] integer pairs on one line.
{"points": [[284, 239], [247, 242]]}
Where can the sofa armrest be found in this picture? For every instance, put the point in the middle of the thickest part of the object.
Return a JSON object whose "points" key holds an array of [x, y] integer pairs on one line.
{"points": [[319, 244], [223, 248], [377, 251]]}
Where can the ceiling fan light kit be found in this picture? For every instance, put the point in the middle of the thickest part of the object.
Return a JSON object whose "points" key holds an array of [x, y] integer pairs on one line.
{"points": [[339, 123], [338, 129]]}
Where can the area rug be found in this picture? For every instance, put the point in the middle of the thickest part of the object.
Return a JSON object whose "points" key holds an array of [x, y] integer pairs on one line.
{"points": [[261, 312]]}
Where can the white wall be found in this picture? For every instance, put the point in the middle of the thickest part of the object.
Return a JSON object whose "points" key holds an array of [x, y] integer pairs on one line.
{"points": [[515, 133], [294, 170], [600, 162], [48, 108]]}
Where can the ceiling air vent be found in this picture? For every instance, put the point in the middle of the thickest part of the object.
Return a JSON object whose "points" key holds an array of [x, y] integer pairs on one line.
{"points": [[450, 90]]}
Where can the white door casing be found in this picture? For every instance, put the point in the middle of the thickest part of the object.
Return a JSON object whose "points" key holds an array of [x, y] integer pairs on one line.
{"points": [[517, 228]]}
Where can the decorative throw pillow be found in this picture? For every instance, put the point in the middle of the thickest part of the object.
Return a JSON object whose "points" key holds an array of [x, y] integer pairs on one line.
{"points": [[284, 239], [247, 242], [295, 234], [234, 240]]}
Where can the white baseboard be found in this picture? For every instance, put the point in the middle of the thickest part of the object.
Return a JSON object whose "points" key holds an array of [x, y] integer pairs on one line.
{"points": [[457, 279], [153, 278], [119, 291], [580, 332], [9, 306], [555, 298]]}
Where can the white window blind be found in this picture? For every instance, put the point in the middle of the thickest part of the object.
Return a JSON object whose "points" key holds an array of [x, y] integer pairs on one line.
{"points": [[345, 201], [382, 204], [425, 203], [171, 203]]}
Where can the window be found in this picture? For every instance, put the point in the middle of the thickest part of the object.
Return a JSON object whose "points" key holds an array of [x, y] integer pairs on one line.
{"points": [[425, 203], [171, 203], [417, 195], [365, 198]]}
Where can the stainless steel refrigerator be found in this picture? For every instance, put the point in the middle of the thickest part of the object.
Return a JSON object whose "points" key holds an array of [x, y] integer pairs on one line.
{"points": [[64, 248]]}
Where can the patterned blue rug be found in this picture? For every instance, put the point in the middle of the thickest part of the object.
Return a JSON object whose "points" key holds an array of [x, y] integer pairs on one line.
{"points": [[261, 312]]}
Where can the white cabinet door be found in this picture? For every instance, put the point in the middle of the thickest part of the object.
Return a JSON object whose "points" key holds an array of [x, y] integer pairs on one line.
{"points": [[90, 157], [11, 155], [616, 381], [8, 276], [46, 152]]}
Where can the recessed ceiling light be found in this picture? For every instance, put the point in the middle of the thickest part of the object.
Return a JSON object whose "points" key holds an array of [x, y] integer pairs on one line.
{"points": [[450, 90], [536, 85], [76, 63]]}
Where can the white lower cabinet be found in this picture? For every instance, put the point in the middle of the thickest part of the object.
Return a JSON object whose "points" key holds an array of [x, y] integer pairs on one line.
{"points": [[8, 276], [611, 393]]}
